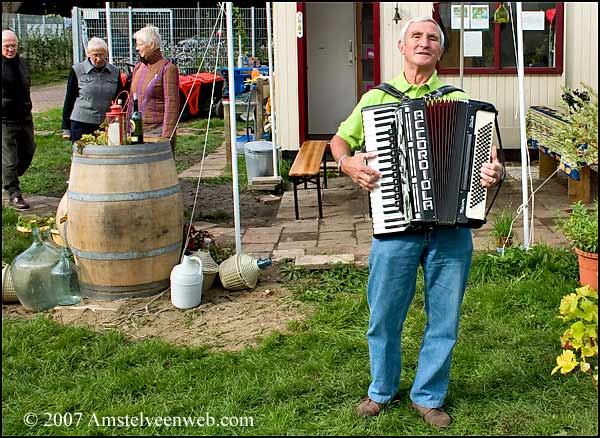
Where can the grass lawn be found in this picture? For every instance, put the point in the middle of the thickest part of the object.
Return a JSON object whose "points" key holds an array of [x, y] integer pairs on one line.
{"points": [[49, 170], [49, 77], [13, 242], [310, 380]]}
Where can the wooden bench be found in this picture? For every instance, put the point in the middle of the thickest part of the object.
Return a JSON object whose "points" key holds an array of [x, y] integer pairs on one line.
{"points": [[307, 168]]}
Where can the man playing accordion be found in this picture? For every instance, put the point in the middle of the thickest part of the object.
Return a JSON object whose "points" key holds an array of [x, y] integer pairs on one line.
{"points": [[444, 252]]}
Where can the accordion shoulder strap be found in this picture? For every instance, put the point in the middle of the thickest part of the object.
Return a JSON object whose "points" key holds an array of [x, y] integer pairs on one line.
{"points": [[390, 89], [445, 89]]}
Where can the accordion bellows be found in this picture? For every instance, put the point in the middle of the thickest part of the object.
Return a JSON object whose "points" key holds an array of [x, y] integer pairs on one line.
{"points": [[430, 154]]}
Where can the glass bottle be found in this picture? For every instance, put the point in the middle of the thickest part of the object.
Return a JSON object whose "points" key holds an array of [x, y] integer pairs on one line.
{"points": [[62, 281], [30, 272], [137, 126]]}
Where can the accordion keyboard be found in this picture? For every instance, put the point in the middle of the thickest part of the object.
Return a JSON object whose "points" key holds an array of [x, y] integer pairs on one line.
{"points": [[390, 205]]}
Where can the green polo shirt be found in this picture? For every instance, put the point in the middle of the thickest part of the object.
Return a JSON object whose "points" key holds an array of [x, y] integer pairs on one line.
{"points": [[351, 129]]}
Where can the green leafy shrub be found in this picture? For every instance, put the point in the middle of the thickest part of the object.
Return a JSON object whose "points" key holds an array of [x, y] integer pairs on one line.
{"points": [[580, 340], [580, 134], [284, 169], [47, 51], [581, 227]]}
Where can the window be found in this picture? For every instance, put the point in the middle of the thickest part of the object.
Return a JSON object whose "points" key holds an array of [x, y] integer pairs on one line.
{"points": [[490, 46]]}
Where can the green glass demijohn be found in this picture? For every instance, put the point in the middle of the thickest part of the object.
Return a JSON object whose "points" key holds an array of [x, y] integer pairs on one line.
{"points": [[30, 272], [64, 281]]}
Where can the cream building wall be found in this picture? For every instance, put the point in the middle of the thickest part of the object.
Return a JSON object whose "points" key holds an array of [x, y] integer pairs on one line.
{"points": [[580, 64], [285, 58], [581, 48]]}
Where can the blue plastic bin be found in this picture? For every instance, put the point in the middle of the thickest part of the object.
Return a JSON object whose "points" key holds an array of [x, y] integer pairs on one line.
{"points": [[240, 74]]}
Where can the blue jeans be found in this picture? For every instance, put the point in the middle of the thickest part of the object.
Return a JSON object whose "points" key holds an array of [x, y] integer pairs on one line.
{"points": [[445, 254]]}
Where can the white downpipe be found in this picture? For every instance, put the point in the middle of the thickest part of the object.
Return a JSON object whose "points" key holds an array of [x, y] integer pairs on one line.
{"points": [[462, 45], [130, 19], [109, 33], [76, 34], [252, 33], [271, 93], [233, 130], [524, 154]]}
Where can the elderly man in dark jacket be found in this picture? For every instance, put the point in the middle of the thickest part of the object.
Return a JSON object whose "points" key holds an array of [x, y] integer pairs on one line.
{"points": [[18, 145]]}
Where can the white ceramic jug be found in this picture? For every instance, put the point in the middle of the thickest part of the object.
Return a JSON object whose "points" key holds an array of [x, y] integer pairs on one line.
{"points": [[186, 283]]}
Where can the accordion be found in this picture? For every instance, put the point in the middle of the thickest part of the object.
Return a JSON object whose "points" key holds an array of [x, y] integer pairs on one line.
{"points": [[430, 152]]}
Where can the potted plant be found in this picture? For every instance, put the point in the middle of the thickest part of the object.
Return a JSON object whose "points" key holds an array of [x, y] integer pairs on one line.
{"points": [[503, 232], [581, 228]]}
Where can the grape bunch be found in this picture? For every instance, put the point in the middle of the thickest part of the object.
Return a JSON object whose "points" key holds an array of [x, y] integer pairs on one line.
{"points": [[99, 137]]}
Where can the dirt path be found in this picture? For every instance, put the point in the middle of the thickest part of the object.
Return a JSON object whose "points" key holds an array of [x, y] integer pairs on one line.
{"points": [[46, 97]]}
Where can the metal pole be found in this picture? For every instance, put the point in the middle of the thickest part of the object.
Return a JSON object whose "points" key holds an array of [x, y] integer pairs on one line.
{"points": [[109, 33], [462, 45], [233, 129], [19, 27], [271, 91], [197, 15], [75, 32], [171, 27], [130, 35], [524, 153], [252, 28]]}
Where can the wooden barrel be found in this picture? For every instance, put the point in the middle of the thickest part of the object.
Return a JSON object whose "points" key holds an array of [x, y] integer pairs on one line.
{"points": [[60, 234], [125, 219]]}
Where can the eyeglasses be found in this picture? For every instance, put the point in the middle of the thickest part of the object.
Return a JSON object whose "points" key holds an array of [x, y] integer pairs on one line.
{"points": [[9, 46]]}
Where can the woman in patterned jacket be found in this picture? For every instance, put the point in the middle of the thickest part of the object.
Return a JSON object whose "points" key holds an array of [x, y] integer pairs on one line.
{"points": [[155, 82]]}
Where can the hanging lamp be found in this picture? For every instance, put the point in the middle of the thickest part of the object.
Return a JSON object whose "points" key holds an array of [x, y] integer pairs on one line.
{"points": [[397, 17], [501, 14]]}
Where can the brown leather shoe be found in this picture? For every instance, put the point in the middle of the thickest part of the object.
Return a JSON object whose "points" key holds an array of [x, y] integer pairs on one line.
{"points": [[433, 416], [18, 202], [368, 408]]}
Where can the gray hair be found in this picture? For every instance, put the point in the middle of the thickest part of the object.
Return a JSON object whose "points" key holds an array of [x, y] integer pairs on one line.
{"points": [[96, 43], [419, 20], [9, 34], [148, 35]]}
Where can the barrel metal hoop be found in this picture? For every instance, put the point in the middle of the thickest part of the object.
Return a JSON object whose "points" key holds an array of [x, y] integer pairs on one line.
{"points": [[119, 161], [131, 255], [118, 292], [130, 196], [150, 148]]}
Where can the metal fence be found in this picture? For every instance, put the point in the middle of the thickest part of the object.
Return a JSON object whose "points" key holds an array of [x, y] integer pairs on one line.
{"points": [[27, 25], [44, 40], [185, 34]]}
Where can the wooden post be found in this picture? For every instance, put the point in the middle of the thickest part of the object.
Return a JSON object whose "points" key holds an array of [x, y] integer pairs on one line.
{"points": [[580, 190], [227, 133], [258, 116], [548, 164]]}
